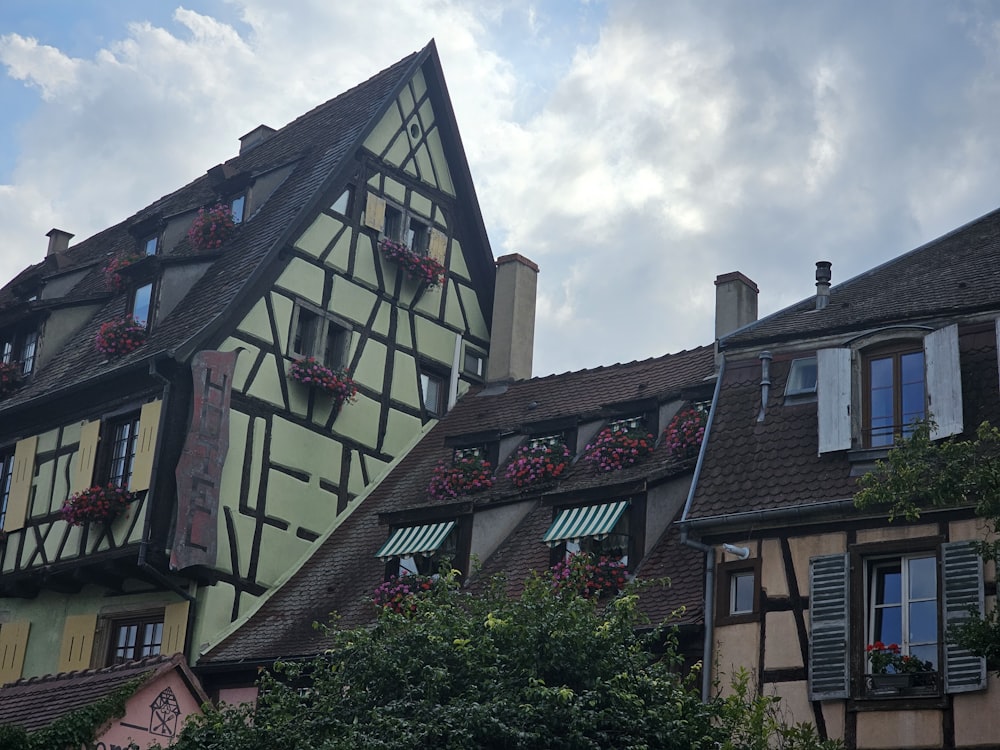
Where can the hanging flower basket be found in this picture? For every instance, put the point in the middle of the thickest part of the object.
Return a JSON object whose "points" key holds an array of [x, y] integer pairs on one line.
{"points": [[416, 266], [120, 336], [589, 576], [96, 504], [112, 271], [613, 451], [400, 593], [685, 432], [11, 378], [464, 476], [212, 227], [535, 464], [312, 374]]}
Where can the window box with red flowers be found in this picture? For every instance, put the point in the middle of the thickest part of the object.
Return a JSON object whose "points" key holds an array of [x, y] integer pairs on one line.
{"points": [[120, 336], [614, 449], [685, 432], [536, 464], [212, 227], [11, 377], [112, 272], [101, 504], [589, 576], [310, 373], [418, 267], [466, 475], [400, 593]]}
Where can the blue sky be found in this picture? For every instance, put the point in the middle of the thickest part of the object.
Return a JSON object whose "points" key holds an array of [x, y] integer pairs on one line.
{"points": [[635, 149]]}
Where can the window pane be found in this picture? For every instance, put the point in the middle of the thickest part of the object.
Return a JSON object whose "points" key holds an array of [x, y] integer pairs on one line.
{"points": [[888, 626], [923, 577], [305, 333], [432, 388], [28, 352], [802, 377], [743, 592], [237, 207], [888, 584], [393, 223], [140, 306], [881, 373], [923, 622], [926, 653], [912, 366], [151, 244]]}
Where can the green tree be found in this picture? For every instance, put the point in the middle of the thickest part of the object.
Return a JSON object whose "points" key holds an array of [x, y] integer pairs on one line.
{"points": [[550, 669], [920, 474]]}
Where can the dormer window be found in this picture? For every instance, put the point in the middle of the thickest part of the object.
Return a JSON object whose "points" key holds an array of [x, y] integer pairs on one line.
{"points": [[236, 207], [150, 245], [142, 304], [894, 394], [627, 425], [20, 345], [801, 378]]}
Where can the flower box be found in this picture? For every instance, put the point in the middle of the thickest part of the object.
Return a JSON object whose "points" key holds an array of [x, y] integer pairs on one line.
{"points": [[11, 377], [96, 504], [465, 475], [120, 336], [400, 593], [418, 267], [112, 272], [589, 576], [536, 464], [212, 227], [685, 432], [310, 373], [613, 450]]}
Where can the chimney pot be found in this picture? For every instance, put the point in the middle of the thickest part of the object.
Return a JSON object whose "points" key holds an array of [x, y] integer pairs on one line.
{"points": [[823, 276], [735, 302], [512, 335], [58, 241]]}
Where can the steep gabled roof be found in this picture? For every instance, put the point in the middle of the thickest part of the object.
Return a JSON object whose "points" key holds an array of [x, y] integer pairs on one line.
{"points": [[956, 273], [317, 150], [37, 702], [342, 573]]}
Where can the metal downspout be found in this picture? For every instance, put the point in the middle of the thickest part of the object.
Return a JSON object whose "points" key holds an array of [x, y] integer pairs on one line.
{"points": [[709, 607]]}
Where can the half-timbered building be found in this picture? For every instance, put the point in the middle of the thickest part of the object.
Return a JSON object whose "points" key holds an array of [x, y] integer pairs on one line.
{"points": [[176, 426], [802, 585]]}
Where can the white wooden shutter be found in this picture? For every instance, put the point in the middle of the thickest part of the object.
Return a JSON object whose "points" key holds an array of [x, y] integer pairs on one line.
{"points": [[944, 381], [833, 396], [829, 617], [962, 573], [375, 212]]}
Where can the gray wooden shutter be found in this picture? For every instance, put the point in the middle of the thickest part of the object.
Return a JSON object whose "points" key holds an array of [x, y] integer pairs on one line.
{"points": [[833, 396], [963, 588], [944, 381], [829, 617]]}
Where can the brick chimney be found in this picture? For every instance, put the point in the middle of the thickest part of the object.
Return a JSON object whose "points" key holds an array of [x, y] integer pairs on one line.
{"points": [[512, 336], [58, 241], [735, 302]]}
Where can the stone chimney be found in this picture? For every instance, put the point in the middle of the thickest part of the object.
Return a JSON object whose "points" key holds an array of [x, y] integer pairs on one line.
{"points": [[735, 302], [512, 337], [823, 276], [255, 136], [58, 241]]}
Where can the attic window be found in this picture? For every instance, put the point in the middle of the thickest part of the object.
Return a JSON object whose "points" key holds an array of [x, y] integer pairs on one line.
{"points": [[801, 379], [477, 451], [237, 206], [142, 304], [474, 363], [626, 425], [150, 245], [547, 441]]}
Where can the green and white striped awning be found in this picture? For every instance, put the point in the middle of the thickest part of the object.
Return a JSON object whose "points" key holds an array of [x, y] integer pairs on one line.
{"points": [[591, 520], [415, 540]]}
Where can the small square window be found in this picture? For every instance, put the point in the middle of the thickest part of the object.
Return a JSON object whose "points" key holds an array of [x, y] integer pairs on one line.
{"points": [[237, 207], [135, 638], [418, 237], [741, 593], [433, 391], [738, 592], [474, 363], [319, 335], [151, 245], [801, 377]]}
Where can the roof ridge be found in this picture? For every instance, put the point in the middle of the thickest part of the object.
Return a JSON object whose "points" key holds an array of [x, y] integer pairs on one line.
{"points": [[614, 365], [135, 664]]}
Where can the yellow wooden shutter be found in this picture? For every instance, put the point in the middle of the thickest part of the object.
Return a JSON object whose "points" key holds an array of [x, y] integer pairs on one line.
{"points": [[83, 463], [375, 212], [77, 642], [175, 620], [13, 642], [20, 484], [438, 245], [145, 450]]}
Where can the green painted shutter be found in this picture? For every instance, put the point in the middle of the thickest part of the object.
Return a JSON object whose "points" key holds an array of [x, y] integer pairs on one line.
{"points": [[963, 588], [829, 610]]}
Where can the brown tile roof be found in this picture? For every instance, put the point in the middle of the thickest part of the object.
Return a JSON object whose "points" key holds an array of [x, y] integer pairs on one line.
{"points": [[341, 575], [37, 702], [959, 272]]}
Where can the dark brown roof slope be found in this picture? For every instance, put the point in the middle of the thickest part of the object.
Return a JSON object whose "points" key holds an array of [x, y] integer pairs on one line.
{"points": [[315, 145], [39, 701], [341, 575], [958, 272]]}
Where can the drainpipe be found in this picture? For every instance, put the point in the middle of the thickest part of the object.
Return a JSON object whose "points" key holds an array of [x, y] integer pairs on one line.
{"points": [[144, 544], [709, 608]]}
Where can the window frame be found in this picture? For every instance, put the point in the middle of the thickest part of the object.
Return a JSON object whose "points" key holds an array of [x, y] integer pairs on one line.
{"points": [[243, 199], [461, 533], [109, 443], [726, 575], [150, 311], [15, 345], [432, 375], [141, 620], [335, 357], [633, 518], [797, 393], [402, 230], [893, 352]]}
